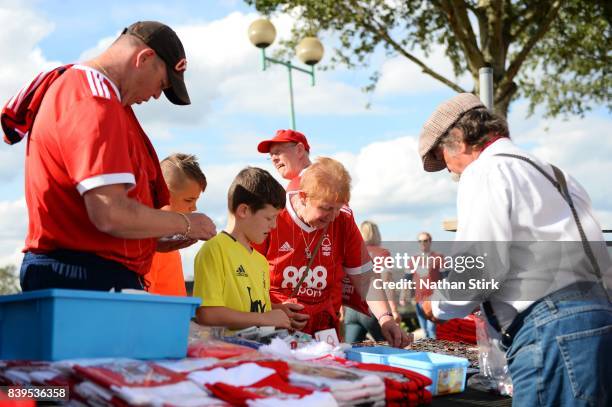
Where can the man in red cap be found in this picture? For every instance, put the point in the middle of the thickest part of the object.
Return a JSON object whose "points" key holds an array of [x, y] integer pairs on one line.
{"points": [[290, 154]]}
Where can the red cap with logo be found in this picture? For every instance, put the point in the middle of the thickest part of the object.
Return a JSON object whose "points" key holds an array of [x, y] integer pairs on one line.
{"points": [[283, 136]]}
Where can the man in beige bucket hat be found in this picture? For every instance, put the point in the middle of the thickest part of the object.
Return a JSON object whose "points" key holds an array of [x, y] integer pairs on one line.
{"points": [[550, 309]]}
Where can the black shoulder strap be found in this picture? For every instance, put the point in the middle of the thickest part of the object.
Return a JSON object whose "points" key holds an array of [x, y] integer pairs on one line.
{"points": [[561, 184]]}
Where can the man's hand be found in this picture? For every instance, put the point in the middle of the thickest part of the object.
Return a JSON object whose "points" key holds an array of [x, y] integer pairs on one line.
{"points": [[428, 312], [392, 332], [170, 245], [202, 227], [298, 320]]}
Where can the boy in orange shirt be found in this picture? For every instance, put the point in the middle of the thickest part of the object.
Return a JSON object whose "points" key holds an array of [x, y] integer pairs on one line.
{"points": [[186, 182]]}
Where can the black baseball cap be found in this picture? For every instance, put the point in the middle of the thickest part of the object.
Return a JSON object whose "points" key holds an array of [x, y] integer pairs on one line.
{"points": [[164, 41]]}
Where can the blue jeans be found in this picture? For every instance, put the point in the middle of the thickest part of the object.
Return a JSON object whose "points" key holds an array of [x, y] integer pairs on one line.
{"points": [[357, 325], [562, 353], [428, 326], [75, 270]]}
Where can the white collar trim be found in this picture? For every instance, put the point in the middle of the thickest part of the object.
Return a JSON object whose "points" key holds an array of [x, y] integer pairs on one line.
{"points": [[294, 216]]}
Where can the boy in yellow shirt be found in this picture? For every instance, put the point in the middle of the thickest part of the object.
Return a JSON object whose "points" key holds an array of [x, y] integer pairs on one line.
{"points": [[232, 278]]}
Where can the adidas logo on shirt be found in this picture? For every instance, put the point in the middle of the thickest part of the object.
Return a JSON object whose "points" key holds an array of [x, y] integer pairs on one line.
{"points": [[286, 247], [241, 272]]}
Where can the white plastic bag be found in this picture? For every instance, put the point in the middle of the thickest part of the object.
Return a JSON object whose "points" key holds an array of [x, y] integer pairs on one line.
{"points": [[494, 374]]}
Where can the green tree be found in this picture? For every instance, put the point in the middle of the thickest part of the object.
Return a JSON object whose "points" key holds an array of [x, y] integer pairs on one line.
{"points": [[553, 52], [9, 281]]}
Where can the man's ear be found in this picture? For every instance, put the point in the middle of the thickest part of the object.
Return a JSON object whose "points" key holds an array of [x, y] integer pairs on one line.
{"points": [[460, 146], [301, 149], [143, 56]]}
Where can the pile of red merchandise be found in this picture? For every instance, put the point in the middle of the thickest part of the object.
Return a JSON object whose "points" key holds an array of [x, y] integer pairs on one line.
{"points": [[458, 330], [402, 387], [123, 382], [214, 348], [258, 383]]}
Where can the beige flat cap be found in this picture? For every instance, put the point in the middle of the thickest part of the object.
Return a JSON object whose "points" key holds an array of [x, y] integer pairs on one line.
{"points": [[439, 123]]}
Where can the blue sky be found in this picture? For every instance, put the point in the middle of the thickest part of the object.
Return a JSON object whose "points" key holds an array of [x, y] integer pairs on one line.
{"points": [[235, 105]]}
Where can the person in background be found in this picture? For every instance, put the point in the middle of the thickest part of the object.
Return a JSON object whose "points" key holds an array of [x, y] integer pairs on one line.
{"points": [[232, 278], [290, 154], [93, 184], [357, 324], [185, 182], [429, 271]]}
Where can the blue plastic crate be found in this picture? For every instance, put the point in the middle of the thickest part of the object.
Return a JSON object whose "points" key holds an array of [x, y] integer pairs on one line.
{"points": [[64, 324], [447, 373], [374, 354]]}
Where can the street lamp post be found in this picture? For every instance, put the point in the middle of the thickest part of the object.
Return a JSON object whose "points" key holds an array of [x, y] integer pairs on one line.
{"points": [[310, 51]]}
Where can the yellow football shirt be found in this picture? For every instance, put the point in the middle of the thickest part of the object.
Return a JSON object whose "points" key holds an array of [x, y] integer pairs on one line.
{"points": [[226, 274]]}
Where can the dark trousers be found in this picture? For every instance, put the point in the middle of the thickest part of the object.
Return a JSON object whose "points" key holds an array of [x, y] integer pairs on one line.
{"points": [[75, 270]]}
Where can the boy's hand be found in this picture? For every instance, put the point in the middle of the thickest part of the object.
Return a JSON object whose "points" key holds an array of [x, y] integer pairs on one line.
{"points": [[298, 321], [202, 227], [277, 318]]}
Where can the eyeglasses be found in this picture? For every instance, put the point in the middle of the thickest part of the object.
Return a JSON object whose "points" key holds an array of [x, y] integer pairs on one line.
{"points": [[424, 240]]}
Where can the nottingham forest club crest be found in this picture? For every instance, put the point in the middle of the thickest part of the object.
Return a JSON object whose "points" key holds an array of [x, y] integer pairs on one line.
{"points": [[326, 246]]}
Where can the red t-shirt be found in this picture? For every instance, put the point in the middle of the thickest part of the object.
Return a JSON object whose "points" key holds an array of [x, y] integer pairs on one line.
{"points": [[83, 138], [342, 252]]}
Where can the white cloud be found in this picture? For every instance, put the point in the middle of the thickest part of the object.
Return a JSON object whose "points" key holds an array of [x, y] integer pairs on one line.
{"points": [[401, 76], [22, 29], [13, 229], [187, 257], [11, 161], [389, 181], [268, 93], [579, 146], [224, 78], [21, 60]]}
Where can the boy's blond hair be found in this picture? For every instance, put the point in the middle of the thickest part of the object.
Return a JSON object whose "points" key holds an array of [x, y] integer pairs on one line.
{"points": [[327, 180], [178, 167]]}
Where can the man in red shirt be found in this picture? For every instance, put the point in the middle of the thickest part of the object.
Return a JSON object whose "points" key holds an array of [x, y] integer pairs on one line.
{"points": [[93, 182], [317, 224]]}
